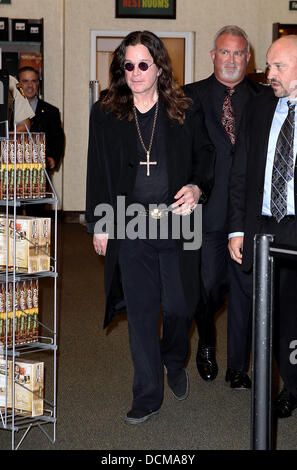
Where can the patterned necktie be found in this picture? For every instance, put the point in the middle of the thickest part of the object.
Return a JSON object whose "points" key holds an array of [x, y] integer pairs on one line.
{"points": [[283, 165], [228, 116]]}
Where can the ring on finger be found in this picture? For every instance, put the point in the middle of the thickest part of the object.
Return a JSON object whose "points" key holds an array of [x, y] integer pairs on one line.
{"points": [[99, 252]]}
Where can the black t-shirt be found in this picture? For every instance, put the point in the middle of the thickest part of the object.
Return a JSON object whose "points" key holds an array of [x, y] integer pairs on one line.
{"points": [[151, 189]]}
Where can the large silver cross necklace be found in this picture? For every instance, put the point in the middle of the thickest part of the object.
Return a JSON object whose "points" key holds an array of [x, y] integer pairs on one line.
{"points": [[147, 151]]}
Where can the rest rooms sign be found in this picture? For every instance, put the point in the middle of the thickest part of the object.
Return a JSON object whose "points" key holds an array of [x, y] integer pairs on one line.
{"points": [[293, 5], [5, 1], [145, 8]]}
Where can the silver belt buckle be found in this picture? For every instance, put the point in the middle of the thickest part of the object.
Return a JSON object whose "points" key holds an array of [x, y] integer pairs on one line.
{"points": [[156, 213]]}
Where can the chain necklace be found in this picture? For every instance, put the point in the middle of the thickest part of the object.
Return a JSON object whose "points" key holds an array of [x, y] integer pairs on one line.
{"points": [[147, 151]]}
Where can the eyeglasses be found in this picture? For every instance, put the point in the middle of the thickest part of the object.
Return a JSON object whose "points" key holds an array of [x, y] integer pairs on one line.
{"points": [[143, 66]]}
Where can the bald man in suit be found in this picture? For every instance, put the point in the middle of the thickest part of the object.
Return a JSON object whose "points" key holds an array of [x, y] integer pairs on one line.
{"points": [[263, 199]]}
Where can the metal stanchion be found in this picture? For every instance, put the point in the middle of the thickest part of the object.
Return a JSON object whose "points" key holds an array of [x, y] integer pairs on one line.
{"points": [[94, 92], [261, 438]]}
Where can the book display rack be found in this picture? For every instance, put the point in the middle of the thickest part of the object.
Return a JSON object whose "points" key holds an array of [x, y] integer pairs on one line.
{"points": [[28, 254]]}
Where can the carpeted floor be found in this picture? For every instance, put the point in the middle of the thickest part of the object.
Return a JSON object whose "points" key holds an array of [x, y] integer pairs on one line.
{"points": [[95, 376]]}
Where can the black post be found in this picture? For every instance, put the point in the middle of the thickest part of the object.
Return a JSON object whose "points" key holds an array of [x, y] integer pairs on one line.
{"points": [[262, 344]]}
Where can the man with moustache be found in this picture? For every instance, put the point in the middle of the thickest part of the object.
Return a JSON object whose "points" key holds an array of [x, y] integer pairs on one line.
{"points": [[263, 198], [223, 97]]}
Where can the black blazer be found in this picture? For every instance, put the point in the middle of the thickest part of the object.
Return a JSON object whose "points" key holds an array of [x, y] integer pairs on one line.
{"points": [[208, 94], [247, 178], [47, 119], [111, 172]]}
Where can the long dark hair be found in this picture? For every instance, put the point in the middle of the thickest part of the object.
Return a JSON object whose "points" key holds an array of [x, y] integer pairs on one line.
{"points": [[119, 99]]}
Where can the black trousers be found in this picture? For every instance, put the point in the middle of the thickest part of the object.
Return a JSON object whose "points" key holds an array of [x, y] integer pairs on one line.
{"points": [[285, 299], [151, 278], [215, 282], [284, 323], [221, 275], [239, 320], [284, 320], [285, 309]]}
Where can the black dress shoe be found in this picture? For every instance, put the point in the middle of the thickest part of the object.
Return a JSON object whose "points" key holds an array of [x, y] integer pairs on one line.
{"points": [[139, 415], [238, 380], [206, 362], [285, 404], [178, 382]]}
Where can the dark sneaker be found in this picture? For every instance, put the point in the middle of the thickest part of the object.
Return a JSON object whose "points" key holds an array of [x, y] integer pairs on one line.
{"points": [[285, 404], [178, 382], [138, 415]]}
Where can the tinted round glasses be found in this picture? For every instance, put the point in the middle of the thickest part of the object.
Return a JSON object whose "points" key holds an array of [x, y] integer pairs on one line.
{"points": [[143, 66]]}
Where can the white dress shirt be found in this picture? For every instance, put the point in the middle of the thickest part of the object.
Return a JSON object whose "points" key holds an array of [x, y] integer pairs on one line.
{"points": [[280, 114]]}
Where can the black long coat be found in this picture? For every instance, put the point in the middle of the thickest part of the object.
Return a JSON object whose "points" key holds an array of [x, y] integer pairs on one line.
{"points": [[111, 172]]}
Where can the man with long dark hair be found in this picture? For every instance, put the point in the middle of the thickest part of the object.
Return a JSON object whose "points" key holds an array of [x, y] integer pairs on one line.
{"points": [[147, 147]]}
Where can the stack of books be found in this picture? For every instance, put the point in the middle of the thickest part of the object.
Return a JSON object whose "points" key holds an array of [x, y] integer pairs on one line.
{"points": [[26, 157], [26, 314]]}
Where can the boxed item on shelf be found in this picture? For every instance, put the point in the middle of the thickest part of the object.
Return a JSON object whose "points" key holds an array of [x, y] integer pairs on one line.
{"points": [[3, 243], [40, 140], [10, 62], [33, 328], [30, 155], [44, 244], [35, 30], [19, 29], [5, 378], [2, 328], [4, 29], [27, 238], [38, 176], [32, 243], [30, 309], [29, 386], [19, 169]]}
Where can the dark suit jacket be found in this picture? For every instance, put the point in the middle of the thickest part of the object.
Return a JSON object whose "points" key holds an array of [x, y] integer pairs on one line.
{"points": [[247, 179], [111, 172], [47, 119], [209, 93]]}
